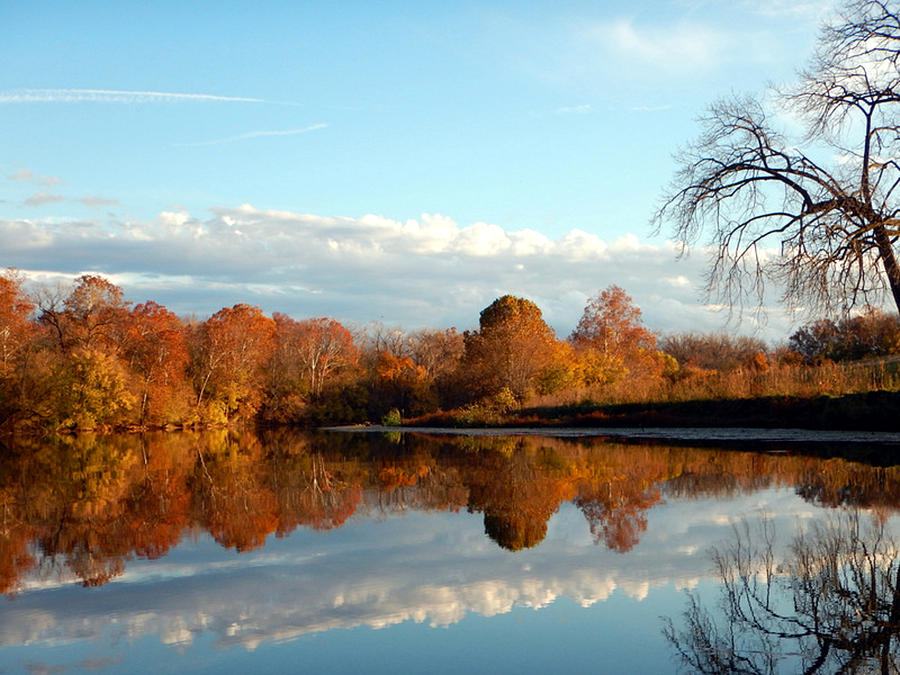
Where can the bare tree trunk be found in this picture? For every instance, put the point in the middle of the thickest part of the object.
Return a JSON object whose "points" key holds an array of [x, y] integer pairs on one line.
{"points": [[889, 262]]}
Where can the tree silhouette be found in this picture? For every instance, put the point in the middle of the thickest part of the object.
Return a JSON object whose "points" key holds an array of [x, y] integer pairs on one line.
{"points": [[747, 187]]}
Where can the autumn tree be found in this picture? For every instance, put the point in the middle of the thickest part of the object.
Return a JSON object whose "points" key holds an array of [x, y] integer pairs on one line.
{"points": [[772, 211], [313, 364], [611, 340], [91, 316], [437, 351], [156, 352], [16, 335], [376, 338], [230, 352], [417, 374], [712, 351], [869, 334], [86, 329], [92, 388], [401, 384], [319, 349], [511, 349], [15, 326]]}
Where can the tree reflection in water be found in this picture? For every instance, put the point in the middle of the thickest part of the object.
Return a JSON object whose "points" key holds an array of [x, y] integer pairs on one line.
{"points": [[87, 505], [829, 603]]}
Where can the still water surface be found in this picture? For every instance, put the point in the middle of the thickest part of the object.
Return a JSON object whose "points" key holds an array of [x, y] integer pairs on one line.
{"points": [[293, 552]]}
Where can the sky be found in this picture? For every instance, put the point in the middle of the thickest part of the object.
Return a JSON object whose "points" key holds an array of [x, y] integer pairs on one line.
{"points": [[405, 163]]}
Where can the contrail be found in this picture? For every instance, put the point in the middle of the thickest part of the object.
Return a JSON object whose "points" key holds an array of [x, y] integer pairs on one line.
{"points": [[254, 134], [113, 96]]}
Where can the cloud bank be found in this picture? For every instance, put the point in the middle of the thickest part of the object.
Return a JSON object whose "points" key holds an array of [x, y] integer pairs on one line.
{"points": [[422, 272]]}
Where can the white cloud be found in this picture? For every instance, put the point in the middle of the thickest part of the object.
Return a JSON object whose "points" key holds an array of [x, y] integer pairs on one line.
{"points": [[173, 219], [114, 96], [429, 271], [679, 281]]}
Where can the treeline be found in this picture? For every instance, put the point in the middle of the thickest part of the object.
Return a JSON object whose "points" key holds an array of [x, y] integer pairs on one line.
{"points": [[86, 358]]}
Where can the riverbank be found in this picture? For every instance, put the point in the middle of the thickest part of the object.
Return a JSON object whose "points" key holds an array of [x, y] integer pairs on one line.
{"points": [[871, 411]]}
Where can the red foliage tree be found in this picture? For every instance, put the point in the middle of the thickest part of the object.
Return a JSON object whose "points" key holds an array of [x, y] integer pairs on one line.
{"points": [[157, 355]]}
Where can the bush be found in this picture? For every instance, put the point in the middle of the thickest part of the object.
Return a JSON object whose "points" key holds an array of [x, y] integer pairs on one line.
{"points": [[392, 418]]}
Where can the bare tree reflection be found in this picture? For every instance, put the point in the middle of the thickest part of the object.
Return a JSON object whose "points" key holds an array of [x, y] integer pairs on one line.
{"points": [[829, 603]]}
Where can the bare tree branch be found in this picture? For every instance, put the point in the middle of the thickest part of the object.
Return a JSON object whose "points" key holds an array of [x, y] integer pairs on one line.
{"points": [[770, 212]]}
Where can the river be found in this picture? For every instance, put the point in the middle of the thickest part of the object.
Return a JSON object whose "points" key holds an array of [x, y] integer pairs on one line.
{"points": [[285, 551]]}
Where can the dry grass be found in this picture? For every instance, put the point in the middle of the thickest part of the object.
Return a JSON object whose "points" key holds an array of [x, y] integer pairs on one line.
{"points": [[828, 379]]}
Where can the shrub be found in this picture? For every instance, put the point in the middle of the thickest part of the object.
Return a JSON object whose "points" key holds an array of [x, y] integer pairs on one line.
{"points": [[392, 418]]}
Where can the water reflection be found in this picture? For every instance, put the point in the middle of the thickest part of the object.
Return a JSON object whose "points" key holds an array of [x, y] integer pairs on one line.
{"points": [[237, 540], [87, 505], [829, 602]]}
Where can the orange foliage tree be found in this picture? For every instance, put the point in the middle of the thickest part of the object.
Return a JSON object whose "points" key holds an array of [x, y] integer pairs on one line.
{"points": [[16, 335], [310, 357], [232, 348], [157, 355], [512, 348], [611, 340], [89, 382], [401, 383], [316, 349], [92, 316], [15, 328], [438, 353]]}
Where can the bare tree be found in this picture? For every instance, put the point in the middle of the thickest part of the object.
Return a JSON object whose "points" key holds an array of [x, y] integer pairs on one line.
{"points": [[832, 223]]}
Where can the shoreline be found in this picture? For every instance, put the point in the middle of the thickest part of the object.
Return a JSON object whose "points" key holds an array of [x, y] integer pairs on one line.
{"points": [[712, 434], [873, 411]]}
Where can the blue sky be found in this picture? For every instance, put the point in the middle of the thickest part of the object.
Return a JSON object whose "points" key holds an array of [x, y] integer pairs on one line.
{"points": [[401, 162]]}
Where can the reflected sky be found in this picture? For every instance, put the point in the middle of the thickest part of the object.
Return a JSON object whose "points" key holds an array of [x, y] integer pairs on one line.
{"points": [[390, 589], [433, 570]]}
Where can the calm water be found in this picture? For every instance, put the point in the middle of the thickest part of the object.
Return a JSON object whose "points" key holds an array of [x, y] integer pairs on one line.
{"points": [[338, 552]]}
